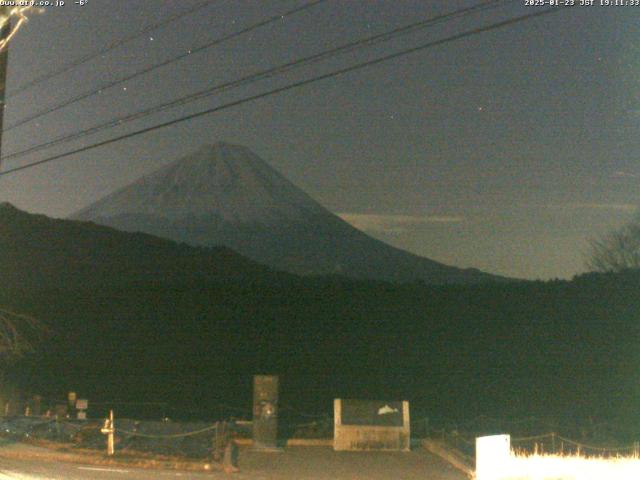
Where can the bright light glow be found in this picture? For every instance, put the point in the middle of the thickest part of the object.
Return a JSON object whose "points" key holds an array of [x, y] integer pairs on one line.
{"points": [[20, 14], [565, 467], [492, 453], [496, 461]]}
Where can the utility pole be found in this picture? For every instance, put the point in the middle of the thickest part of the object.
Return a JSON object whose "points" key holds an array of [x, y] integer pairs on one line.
{"points": [[4, 57]]}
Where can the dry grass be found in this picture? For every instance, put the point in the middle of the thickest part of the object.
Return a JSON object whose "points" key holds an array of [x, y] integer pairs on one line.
{"points": [[565, 467]]}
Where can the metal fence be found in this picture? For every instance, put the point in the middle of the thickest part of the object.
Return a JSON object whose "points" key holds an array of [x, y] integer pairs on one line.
{"points": [[529, 436], [195, 440]]}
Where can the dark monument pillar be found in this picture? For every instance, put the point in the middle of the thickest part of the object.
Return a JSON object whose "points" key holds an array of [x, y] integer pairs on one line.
{"points": [[265, 412]]}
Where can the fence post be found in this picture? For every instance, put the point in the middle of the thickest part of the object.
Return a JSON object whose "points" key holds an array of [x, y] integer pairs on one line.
{"points": [[109, 430], [230, 454], [37, 405], [111, 444]]}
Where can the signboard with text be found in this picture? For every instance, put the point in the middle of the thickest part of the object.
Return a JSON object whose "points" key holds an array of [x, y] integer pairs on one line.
{"points": [[371, 425]]}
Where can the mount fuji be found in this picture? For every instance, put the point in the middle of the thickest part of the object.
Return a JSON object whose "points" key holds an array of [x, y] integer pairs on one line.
{"points": [[225, 194]]}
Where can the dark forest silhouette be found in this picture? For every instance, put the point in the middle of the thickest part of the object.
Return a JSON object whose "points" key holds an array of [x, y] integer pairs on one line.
{"points": [[140, 318]]}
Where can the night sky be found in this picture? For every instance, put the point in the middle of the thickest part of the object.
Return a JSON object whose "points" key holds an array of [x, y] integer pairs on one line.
{"points": [[504, 151]]}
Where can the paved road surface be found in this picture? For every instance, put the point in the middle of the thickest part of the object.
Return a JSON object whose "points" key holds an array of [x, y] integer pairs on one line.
{"points": [[11, 469], [298, 463]]}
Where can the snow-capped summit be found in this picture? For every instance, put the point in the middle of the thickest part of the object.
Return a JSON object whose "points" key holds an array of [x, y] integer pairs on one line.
{"points": [[227, 181], [226, 195]]}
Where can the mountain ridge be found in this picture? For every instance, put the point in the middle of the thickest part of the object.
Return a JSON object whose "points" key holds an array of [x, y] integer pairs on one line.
{"points": [[36, 250], [225, 194]]}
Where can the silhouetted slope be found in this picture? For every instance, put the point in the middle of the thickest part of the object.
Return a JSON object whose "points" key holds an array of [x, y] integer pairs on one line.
{"points": [[37, 251]]}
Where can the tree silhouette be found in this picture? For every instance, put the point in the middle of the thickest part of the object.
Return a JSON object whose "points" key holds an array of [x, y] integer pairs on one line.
{"points": [[617, 251], [18, 335]]}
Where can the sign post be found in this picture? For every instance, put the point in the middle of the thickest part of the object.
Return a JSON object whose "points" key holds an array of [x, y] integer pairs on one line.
{"points": [[82, 404]]}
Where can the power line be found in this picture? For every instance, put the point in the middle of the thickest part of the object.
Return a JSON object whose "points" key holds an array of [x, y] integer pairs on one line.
{"points": [[169, 61], [291, 86], [111, 46], [261, 75]]}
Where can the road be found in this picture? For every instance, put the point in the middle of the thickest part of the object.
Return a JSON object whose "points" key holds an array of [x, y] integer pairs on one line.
{"points": [[303, 463], [11, 469]]}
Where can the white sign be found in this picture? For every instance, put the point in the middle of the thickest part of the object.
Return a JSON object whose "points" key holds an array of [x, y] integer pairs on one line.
{"points": [[492, 456]]}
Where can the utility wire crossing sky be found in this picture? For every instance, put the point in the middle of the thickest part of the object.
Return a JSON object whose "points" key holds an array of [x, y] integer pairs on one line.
{"points": [[524, 138]]}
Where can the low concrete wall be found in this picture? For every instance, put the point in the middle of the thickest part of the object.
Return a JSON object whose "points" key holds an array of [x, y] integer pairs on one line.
{"points": [[371, 437], [293, 442]]}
